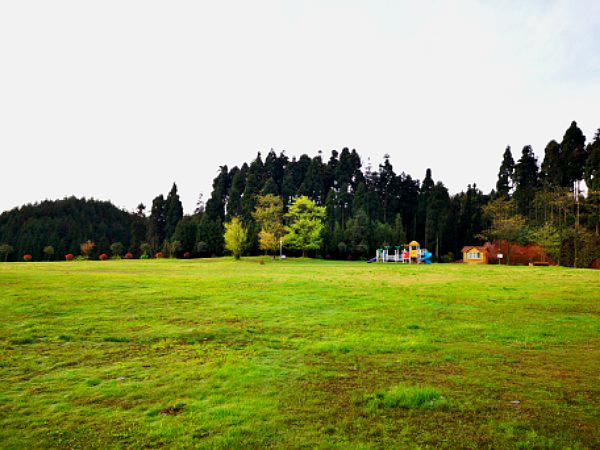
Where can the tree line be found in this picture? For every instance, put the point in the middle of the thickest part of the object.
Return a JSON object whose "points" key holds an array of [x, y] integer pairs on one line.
{"points": [[362, 209]]}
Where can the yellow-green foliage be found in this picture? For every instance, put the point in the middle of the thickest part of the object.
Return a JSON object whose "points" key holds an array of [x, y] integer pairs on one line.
{"points": [[269, 217], [235, 237], [300, 353], [306, 225]]}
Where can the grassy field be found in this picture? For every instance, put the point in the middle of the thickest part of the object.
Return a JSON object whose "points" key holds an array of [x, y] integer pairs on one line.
{"points": [[217, 353]]}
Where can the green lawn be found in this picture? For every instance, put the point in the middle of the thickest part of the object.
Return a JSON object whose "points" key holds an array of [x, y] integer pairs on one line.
{"points": [[305, 353]]}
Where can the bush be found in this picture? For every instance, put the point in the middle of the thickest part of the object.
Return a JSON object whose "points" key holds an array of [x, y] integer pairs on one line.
{"points": [[69, 257], [145, 256], [103, 257], [186, 255], [158, 255], [27, 257], [128, 255]]}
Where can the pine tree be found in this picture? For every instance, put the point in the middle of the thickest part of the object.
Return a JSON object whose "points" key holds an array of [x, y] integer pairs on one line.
{"points": [[215, 206], [234, 196], [437, 218], [424, 193], [185, 233], [139, 228], [552, 171], [209, 239], [505, 174], [526, 181], [254, 183], [156, 223], [357, 232], [173, 212], [592, 165], [573, 153], [270, 187], [398, 233], [385, 187], [312, 185], [361, 200]]}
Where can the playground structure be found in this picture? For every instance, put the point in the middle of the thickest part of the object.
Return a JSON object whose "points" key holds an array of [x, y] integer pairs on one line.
{"points": [[411, 253]]}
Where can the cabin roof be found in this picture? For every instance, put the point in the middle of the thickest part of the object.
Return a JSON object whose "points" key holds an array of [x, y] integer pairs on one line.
{"points": [[466, 248]]}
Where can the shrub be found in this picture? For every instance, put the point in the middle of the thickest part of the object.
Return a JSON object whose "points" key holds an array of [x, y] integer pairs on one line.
{"points": [[146, 250], [128, 255], [49, 252], [158, 255], [103, 257], [6, 250], [27, 257], [186, 255], [116, 248], [86, 248], [69, 257]]}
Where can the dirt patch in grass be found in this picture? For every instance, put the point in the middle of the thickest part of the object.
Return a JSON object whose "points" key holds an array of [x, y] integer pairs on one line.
{"points": [[173, 410]]}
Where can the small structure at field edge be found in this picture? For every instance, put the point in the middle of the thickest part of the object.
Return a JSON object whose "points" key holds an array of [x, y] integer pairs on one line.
{"points": [[475, 254]]}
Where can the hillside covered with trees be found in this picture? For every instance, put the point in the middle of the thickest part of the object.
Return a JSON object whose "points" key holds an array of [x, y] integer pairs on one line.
{"points": [[535, 201]]}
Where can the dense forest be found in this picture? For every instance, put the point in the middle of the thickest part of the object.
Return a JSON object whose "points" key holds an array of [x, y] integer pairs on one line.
{"points": [[534, 202]]}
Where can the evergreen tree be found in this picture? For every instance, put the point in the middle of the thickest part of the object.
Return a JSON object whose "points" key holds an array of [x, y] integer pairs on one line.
{"points": [[357, 232], [270, 187], [592, 165], [329, 180], [361, 200], [173, 212], [505, 174], [424, 193], [345, 167], [526, 181], [437, 218], [573, 153], [552, 171], [185, 233], [312, 185], [139, 229], [215, 206], [209, 239], [275, 167], [398, 233], [254, 183], [386, 187], [156, 223], [234, 197], [288, 188]]}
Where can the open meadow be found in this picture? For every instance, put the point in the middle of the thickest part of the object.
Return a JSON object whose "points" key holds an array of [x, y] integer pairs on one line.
{"points": [[297, 353]]}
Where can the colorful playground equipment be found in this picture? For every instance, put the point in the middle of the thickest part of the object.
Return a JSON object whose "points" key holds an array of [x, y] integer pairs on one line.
{"points": [[411, 253]]}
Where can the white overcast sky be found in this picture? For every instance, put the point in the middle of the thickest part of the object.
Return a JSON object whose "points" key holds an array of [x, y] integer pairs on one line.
{"points": [[118, 99]]}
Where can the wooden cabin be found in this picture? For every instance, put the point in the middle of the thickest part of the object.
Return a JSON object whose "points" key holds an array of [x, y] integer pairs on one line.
{"points": [[473, 254]]}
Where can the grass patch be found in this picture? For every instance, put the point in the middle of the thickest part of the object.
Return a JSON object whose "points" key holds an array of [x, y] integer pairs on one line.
{"points": [[407, 397]]}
